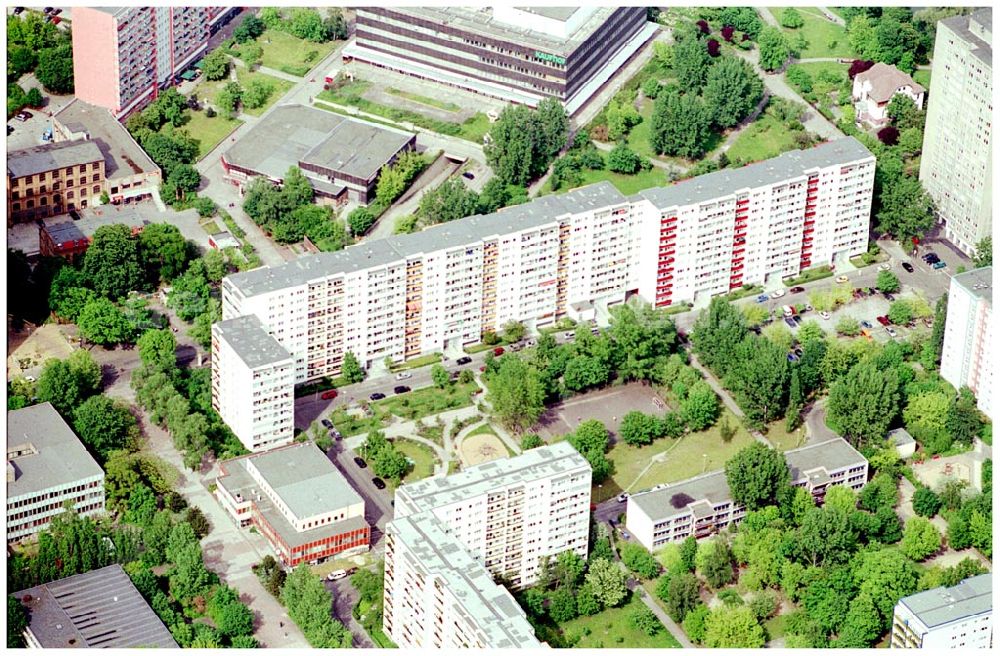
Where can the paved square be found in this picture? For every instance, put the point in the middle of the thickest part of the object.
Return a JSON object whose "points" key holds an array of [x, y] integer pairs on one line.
{"points": [[607, 405]]}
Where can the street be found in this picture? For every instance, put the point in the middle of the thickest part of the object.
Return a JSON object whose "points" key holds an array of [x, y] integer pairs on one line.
{"points": [[344, 597], [378, 503]]}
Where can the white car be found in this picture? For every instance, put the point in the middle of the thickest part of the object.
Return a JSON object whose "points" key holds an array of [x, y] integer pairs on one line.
{"points": [[891, 331], [403, 375], [778, 293], [623, 497], [824, 314], [336, 575], [884, 267], [841, 278]]}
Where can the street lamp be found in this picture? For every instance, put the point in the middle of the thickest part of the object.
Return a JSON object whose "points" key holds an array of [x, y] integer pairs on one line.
{"points": [[704, 462]]}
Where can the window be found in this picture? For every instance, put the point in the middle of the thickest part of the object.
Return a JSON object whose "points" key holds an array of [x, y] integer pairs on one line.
{"points": [[95, 166], [97, 189], [69, 194], [83, 168], [27, 179], [95, 177]]}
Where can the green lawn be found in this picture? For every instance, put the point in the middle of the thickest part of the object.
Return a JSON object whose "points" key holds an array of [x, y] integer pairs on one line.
{"points": [[627, 184], [209, 90], [612, 628], [484, 429], [428, 401], [923, 77], [423, 459], [290, 54], [424, 100], [824, 37], [211, 227], [349, 424], [415, 363], [764, 138], [208, 131], [775, 627], [638, 137]]}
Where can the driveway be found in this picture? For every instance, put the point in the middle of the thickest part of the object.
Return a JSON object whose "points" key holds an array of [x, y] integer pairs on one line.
{"points": [[344, 599]]}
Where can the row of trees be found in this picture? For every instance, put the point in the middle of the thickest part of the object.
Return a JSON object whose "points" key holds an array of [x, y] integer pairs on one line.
{"points": [[387, 461], [523, 142], [156, 128], [453, 200], [305, 24]]}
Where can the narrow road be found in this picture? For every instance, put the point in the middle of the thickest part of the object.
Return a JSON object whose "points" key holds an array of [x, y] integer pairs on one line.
{"points": [[768, 17], [833, 17]]}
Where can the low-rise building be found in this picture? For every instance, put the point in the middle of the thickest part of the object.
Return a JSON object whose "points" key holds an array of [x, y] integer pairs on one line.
{"points": [[223, 240], [959, 617], [875, 88], [340, 156], [101, 609], [129, 173], [968, 349], [702, 506], [905, 445], [48, 468], [252, 383], [70, 239], [298, 500], [53, 178]]}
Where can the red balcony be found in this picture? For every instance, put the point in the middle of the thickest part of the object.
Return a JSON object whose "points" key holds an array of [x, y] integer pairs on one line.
{"points": [[668, 221]]}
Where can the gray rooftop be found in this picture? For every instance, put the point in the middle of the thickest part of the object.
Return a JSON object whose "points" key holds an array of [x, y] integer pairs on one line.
{"points": [[58, 457], [537, 463], [122, 155], [555, 13], [98, 609], [938, 606], [255, 346], [675, 498], [976, 29], [454, 234], [771, 171], [978, 282], [49, 157], [85, 227], [489, 606], [295, 133], [305, 480], [900, 437]]}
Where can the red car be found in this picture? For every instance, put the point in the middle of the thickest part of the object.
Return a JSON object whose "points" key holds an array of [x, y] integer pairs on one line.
{"points": [[329, 394], [498, 351], [884, 320]]}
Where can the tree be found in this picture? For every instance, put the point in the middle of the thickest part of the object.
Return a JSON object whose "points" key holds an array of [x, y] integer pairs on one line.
{"points": [[513, 331], [360, 219], [34, 97], [682, 595], [523, 141], [256, 93], [638, 428], [516, 394], [531, 441], [679, 125], [926, 416], [733, 627], [920, 539], [102, 322], [67, 383], [744, 19], [163, 251], [645, 620], [111, 262], [701, 407], [310, 606], [586, 601], [607, 582], [583, 372], [905, 209], [691, 63], [863, 404], [689, 549], [715, 562], [640, 561], [759, 378], [861, 625], [773, 47], [198, 521], [694, 623], [623, 159], [790, 17], [900, 312], [104, 425], [825, 536], [231, 617], [440, 376], [984, 253], [963, 421], [451, 200], [887, 576], [350, 370], [757, 476], [887, 282], [17, 622], [228, 98], [215, 65], [591, 441], [55, 69], [732, 91], [248, 30], [562, 605]]}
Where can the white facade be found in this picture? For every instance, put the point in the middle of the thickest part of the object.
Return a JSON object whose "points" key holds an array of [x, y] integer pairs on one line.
{"points": [[969, 336], [956, 165], [252, 383], [959, 617], [874, 89]]}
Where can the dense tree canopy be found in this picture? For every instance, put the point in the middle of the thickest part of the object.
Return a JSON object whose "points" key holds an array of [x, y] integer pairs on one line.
{"points": [[864, 403], [757, 476], [680, 125], [111, 263], [732, 90]]}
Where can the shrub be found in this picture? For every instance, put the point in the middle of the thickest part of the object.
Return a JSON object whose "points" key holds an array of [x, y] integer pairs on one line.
{"points": [[925, 502], [859, 66], [714, 49], [888, 135]]}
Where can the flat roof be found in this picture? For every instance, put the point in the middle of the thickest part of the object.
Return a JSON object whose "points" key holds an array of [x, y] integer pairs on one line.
{"points": [[254, 345], [98, 609], [57, 458], [86, 226], [900, 437], [978, 283], [52, 156], [305, 480], [675, 499], [454, 234], [533, 464], [431, 548], [482, 21], [941, 605], [122, 155], [292, 133], [771, 171], [971, 28]]}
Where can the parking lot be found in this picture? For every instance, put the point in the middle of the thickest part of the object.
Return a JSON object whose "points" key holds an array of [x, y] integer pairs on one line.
{"points": [[607, 405]]}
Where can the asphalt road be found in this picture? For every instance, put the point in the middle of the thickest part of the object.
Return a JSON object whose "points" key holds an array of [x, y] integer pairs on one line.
{"points": [[378, 503]]}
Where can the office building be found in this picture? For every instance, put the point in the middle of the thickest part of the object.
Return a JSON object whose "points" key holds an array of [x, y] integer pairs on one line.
{"points": [[298, 500], [252, 383], [100, 609], [560, 255], [123, 56], [968, 349], [340, 156], [956, 163], [52, 179], [702, 506], [510, 513], [517, 54], [47, 468], [959, 617], [452, 536]]}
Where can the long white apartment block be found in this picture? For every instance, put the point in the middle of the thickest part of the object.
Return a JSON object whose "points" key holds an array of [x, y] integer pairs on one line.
{"points": [[956, 163], [408, 295], [967, 352], [959, 617], [253, 387], [452, 535]]}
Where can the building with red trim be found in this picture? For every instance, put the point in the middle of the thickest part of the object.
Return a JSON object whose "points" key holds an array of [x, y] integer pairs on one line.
{"points": [[70, 239], [298, 500]]}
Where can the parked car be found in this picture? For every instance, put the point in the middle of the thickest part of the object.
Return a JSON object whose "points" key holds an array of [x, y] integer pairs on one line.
{"points": [[866, 324], [797, 351], [623, 497], [401, 389], [796, 290], [907, 267], [376, 396], [498, 351], [10, 128], [531, 342], [777, 293], [790, 321], [891, 331], [359, 461], [327, 424], [56, 11], [884, 266], [792, 357], [824, 314], [329, 394], [18, 10], [884, 320], [378, 482], [403, 375], [335, 433], [469, 175], [22, 116], [871, 291], [336, 575], [841, 279], [889, 297], [927, 257], [939, 265], [73, 214], [47, 10], [625, 535], [463, 360], [763, 298], [797, 319]]}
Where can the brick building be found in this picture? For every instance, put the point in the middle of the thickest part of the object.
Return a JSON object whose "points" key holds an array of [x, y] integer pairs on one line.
{"points": [[52, 179]]}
